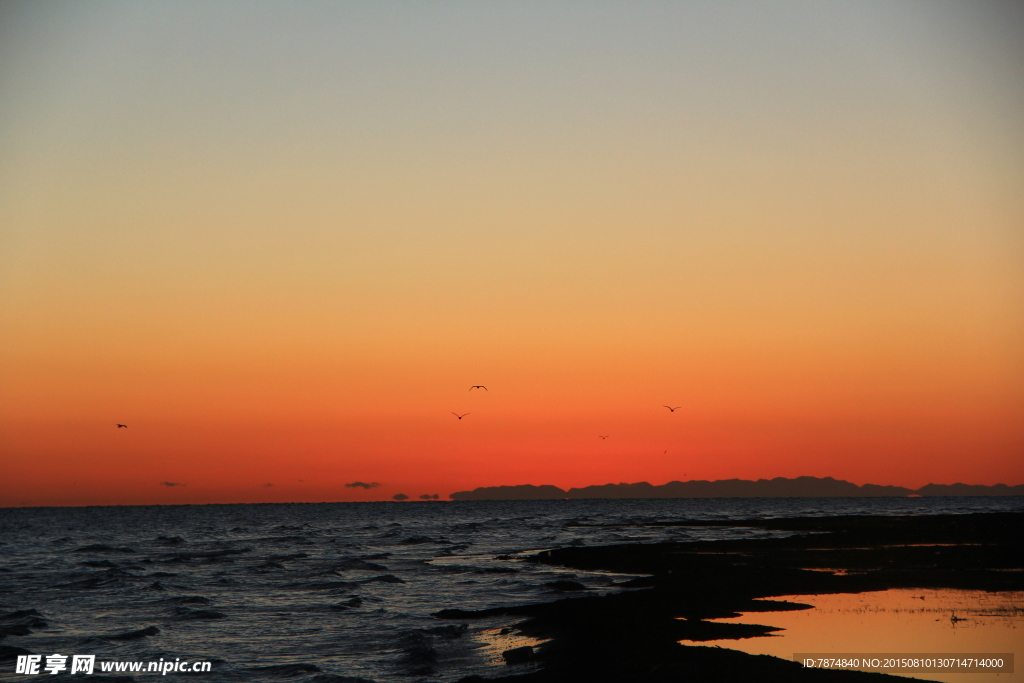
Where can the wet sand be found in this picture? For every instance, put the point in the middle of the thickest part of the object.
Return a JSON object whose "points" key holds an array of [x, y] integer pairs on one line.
{"points": [[634, 635]]}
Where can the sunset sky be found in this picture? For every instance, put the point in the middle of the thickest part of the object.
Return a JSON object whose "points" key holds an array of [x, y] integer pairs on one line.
{"points": [[281, 240]]}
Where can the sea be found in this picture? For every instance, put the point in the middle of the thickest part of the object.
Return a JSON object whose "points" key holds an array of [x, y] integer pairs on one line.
{"points": [[330, 592]]}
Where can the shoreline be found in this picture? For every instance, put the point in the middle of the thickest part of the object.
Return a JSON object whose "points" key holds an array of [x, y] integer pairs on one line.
{"points": [[633, 635]]}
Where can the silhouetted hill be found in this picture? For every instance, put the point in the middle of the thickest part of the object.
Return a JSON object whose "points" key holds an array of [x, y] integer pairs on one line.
{"points": [[780, 487], [801, 487], [521, 492]]}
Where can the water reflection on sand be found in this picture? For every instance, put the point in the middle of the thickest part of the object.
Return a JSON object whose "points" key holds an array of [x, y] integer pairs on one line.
{"points": [[896, 621]]}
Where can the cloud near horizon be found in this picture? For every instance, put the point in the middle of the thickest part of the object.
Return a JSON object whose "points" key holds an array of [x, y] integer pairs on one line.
{"points": [[400, 496], [363, 485], [171, 483]]}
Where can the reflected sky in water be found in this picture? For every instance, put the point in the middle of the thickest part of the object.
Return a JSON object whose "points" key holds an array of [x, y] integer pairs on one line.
{"points": [[896, 621]]}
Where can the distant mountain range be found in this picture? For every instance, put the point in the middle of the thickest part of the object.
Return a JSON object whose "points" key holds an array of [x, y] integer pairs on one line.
{"points": [[780, 487]]}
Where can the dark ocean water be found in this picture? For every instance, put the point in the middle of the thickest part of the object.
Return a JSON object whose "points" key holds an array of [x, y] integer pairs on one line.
{"points": [[347, 588]]}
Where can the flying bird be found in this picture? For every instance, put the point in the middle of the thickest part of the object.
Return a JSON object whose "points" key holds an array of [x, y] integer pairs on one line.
{"points": [[478, 386], [602, 437], [671, 409], [120, 425], [460, 416]]}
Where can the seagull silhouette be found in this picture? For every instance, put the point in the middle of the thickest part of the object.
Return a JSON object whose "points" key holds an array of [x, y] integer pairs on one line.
{"points": [[602, 437], [119, 426], [671, 409], [460, 416], [478, 386]]}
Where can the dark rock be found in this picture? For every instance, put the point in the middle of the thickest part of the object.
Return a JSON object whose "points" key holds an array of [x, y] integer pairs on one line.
{"points": [[360, 564], [518, 655], [334, 678], [169, 540], [101, 548], [412, 540], [385, 578], [297, 540], [186, 614], [20, 614], [188, 600], [288, 670], [323, 585], [288, 557], [14, 630], [8, 652], [22, 626], [134, 635], [418, 655], [450, 631], [208, 557], [465, 613]]}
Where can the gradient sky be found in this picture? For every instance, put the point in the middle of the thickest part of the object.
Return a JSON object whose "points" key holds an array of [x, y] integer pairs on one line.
{"points": [[281, 240]]}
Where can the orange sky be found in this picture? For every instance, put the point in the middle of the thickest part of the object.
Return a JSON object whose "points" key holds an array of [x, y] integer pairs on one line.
{"points": [[280, 243]]}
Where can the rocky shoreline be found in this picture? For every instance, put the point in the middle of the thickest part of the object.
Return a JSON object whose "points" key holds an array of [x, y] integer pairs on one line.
{"points": [[632, 636]]}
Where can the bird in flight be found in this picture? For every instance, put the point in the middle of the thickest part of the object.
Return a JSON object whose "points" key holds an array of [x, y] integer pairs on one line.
{"points": [[460, 416], [602, 437], [478, 386], [671, 409], [120, 425]]}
